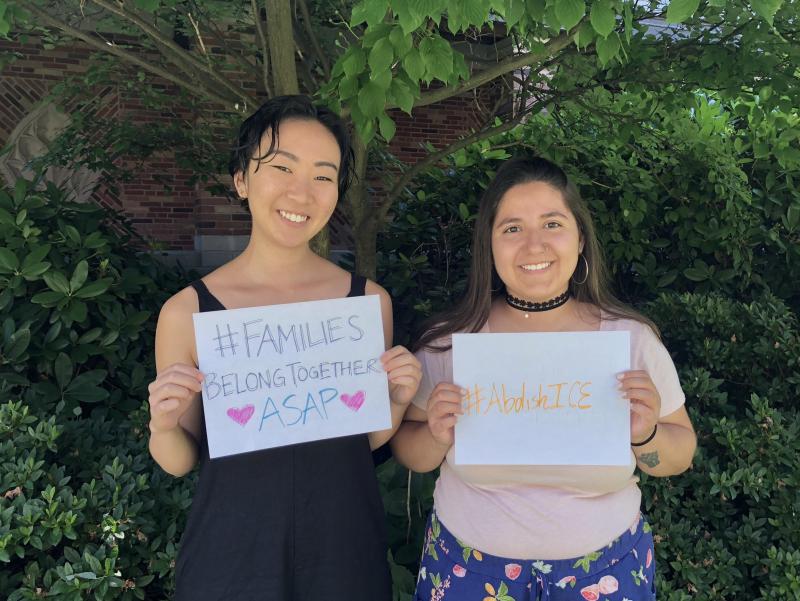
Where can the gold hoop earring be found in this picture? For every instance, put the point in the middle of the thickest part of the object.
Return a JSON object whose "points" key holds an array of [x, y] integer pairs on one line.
{"points": [[586, 277]]}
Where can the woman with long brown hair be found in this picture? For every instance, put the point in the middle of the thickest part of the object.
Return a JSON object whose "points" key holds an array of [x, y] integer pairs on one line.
{"points": [[538, 531]]}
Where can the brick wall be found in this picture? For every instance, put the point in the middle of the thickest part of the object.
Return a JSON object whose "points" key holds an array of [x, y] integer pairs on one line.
{"points": [[182, 217]]}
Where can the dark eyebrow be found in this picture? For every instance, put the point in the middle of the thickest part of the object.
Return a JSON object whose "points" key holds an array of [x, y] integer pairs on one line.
{"points": [[294, 158], [506, 221]]}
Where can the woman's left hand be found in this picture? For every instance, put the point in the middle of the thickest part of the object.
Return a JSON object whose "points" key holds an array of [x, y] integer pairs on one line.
{"points": [[404, 373], [638, 387]]}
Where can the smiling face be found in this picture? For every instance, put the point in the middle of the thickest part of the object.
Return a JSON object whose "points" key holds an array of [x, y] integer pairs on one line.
{"points": [[536, 241], [292, 192]]}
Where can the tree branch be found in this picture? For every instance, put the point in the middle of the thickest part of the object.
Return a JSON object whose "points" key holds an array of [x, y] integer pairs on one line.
{"points": [[510, 64], [262, 40], [129, 57], [174, 53], [435, 157], [326, 66]]}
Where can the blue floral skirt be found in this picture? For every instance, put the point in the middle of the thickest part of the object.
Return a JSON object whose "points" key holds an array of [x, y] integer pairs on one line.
{"points": [[624, 570]]}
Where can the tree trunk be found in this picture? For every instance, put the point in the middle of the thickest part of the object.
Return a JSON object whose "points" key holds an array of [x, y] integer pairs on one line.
{"points": [[366, 238], [280, 36], [362, 215]]}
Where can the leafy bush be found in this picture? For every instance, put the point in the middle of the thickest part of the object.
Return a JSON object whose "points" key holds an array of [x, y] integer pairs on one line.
{"points": [[695, 201], [693, 209], [83, 509], [727, 528]]}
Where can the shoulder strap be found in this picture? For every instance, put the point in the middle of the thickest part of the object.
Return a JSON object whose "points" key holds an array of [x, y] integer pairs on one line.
{"points": [[358, 285], [206, 300]]}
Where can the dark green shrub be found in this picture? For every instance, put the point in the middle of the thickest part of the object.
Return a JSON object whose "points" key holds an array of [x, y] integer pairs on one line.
{"points": [[698, 204], [727, 528], [84, 512]]}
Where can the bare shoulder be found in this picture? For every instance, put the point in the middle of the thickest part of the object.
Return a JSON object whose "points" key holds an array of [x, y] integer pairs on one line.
{"points": [[375, 288], [180, 306], [175, 330]]}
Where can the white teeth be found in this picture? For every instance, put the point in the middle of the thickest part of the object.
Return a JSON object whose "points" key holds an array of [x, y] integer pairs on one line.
{"points": [[295, 217], [536, 266]]}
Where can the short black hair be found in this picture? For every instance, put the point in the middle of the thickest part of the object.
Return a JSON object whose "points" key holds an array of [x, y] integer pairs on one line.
{"points": [[270, 115]]}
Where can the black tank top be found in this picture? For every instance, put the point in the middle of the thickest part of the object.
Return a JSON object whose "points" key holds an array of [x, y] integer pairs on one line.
{"points": [[297, 523]]}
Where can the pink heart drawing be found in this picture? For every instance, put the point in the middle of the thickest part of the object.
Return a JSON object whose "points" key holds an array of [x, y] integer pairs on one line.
{"points": [[353, 401], [243, 415]]}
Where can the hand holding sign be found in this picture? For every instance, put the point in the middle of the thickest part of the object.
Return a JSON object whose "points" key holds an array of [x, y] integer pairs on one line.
{"points": [[638, 387], [170, 394], [444, 407], [404, 372], [544, 398], [285, 374]]}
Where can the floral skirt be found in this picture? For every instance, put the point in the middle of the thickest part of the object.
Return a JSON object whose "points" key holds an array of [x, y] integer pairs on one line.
{"points": [[624, 570]]}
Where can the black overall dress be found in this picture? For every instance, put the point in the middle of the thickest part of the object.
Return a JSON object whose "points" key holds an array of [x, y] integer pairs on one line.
{"points": [[296, 523]]}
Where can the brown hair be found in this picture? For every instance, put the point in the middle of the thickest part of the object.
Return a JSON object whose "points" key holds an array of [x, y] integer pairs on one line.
{"points": [[484, 284]]}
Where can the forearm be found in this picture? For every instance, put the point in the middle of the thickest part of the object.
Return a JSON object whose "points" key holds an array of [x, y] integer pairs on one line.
{"points": [[414, 447], [669, 453], [175, 450], [381, 437]]}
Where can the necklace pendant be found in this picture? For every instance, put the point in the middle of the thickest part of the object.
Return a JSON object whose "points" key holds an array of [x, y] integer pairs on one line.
{"points": [[526, 316]]}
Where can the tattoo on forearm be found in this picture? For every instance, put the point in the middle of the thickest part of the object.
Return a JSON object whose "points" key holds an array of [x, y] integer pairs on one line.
{"points": [[650, 459]]}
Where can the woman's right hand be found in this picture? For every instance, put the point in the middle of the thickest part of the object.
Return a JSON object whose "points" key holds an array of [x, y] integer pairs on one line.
{"points": [[444, 407], [170, 395]]}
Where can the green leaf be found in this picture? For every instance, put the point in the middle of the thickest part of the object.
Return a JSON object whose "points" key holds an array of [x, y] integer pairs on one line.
{"points": [[602, 17], [8, 261], [386, 126], [47, 298], [381, 56], [36, 255], [607, 48], [401, 42], [382, 78], [32, 272], [95, 288], [695, 274], [77, 310], [62, 367], [513, 12], [57, 282], [438, 57], [79, 276], [147, 5], [585, 35], [17, 344], [401, 95], [793, 216], [569, 12], [369, 11], [371, 100], [354, 61], [348, 87], [679, 11], [414, 65], [407, 14], [536, 9], [766, 9]]}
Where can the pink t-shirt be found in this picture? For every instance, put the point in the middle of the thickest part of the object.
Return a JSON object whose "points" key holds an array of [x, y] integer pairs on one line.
{"points": [[545, 512]]}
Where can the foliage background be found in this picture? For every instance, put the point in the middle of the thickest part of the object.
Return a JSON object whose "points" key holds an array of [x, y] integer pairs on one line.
{"points": [[693, 189]]}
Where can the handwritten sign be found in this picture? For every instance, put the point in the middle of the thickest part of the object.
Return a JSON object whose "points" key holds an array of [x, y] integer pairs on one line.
{"points": [[542, 399], [285, 374]]}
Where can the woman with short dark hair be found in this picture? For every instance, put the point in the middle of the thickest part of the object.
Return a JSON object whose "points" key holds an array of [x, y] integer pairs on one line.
{"points": [[300, 522]]}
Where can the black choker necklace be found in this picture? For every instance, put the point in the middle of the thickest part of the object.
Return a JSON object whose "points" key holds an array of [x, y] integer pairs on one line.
{"points": [[532, 307]]}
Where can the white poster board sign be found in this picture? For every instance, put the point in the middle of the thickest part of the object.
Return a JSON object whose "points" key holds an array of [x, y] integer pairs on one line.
{"points": [[285, 374], [542, 398]]}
